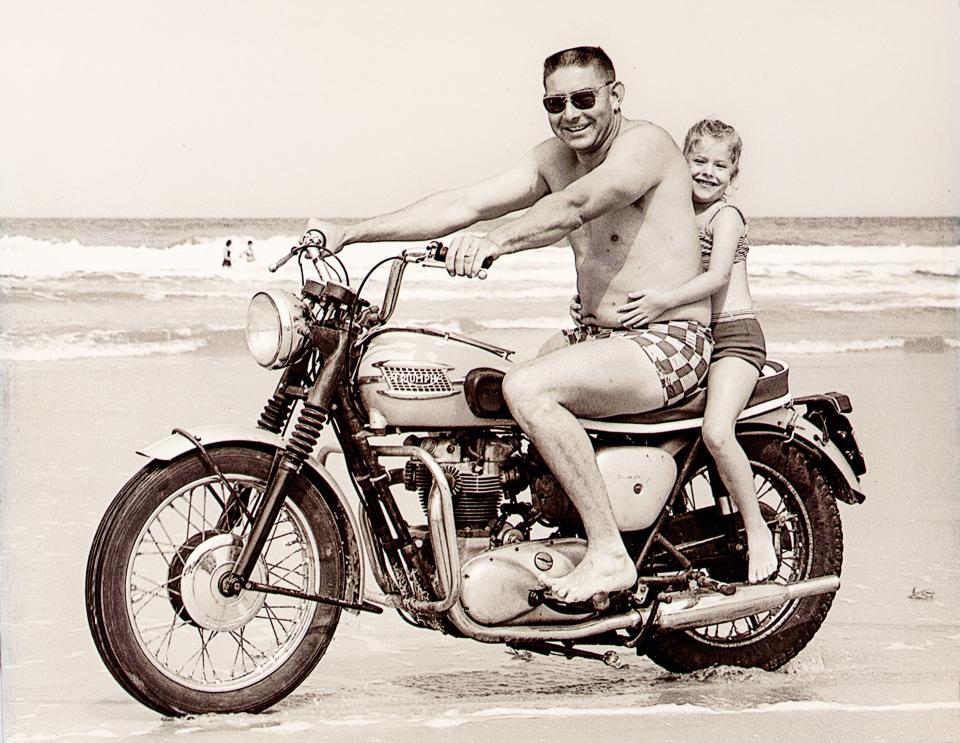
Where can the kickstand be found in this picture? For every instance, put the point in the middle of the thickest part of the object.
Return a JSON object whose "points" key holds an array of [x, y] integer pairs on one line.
{"points": [[610, 658]]}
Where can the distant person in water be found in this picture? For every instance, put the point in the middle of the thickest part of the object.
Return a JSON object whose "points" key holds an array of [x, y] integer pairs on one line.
{"points": [[247, 254], [227, 259]]}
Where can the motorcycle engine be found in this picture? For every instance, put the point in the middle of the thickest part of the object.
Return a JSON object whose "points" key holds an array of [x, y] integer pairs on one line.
{"points": [[478, 469]]}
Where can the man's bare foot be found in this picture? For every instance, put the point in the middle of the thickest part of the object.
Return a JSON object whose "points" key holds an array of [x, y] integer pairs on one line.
{"points": [[595, 573], [761, 556]]}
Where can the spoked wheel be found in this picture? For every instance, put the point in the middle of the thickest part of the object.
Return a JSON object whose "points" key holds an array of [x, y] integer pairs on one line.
{"points": [[159, 620], [803, 516]]}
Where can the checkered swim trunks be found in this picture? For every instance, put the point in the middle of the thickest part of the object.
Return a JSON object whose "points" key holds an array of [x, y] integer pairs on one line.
{"points": [[680, 349]]}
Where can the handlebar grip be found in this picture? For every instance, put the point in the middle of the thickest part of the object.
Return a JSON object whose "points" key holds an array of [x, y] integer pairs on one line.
{"points": [[441, 250], [273, 267]]}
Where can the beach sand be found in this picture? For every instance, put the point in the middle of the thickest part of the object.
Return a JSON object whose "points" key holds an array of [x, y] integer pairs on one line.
{"points": [[884, 666]]}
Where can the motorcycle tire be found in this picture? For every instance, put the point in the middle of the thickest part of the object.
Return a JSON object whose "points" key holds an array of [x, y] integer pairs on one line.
{"points": [[809, 539], [164, 631]]}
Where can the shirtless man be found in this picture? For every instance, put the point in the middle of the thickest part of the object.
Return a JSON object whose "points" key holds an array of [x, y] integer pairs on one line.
{"points": [[620, 191]]}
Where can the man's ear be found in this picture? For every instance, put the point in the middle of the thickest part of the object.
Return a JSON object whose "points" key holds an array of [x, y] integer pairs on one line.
{"points": [[618, 92]]}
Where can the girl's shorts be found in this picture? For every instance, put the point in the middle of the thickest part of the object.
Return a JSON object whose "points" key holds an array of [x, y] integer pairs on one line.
{"points": [[739, 336]]}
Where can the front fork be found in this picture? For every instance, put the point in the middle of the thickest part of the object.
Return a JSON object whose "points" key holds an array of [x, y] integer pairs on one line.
{"points": [[306, 432]]}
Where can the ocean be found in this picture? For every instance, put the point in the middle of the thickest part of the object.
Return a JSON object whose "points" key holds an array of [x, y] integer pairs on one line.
{"points": [[80, 288]]}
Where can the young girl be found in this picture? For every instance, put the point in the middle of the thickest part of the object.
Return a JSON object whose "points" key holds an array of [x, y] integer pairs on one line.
{"points": [[712, 149]]}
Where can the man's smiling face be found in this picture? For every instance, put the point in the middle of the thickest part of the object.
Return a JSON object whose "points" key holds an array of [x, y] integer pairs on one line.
{"points": [[582, 130]]}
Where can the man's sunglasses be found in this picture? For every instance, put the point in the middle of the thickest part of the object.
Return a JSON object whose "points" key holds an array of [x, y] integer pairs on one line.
{"points": [[581, 99]]}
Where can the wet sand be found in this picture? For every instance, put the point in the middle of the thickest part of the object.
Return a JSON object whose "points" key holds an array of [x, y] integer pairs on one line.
{"points": [[884, 666]]}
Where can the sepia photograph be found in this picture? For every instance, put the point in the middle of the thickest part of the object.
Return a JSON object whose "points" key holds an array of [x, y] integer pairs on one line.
{"points": [[455, 371]]}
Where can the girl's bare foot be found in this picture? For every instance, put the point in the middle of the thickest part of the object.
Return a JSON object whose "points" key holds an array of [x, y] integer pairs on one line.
{"points": [[761, 556]]}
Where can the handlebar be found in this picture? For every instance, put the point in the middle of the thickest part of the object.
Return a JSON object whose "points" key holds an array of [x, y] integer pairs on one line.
{"points": [[433, 255], [312, 238]]}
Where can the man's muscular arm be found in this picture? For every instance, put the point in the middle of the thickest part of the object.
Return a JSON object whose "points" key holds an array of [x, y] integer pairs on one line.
{"points": [[446, 211], [633, 166]]}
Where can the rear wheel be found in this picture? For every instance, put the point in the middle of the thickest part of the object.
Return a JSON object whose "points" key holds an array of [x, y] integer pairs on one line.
{"points": [[161, 625], [805, 521]]}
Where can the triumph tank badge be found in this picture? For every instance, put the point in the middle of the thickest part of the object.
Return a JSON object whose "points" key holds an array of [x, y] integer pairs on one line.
{"points": [[408, 380], [543, 561]]}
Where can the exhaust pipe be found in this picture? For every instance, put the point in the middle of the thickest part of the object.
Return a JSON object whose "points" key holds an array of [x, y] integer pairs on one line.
{"points": [[686, 610], [700, 608]]}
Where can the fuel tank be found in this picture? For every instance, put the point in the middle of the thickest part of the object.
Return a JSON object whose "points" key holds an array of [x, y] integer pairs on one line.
{"points": [[414, 378]]}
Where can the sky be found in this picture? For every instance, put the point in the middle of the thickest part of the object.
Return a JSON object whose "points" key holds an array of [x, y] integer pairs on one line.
{"points": [[283, 108]]}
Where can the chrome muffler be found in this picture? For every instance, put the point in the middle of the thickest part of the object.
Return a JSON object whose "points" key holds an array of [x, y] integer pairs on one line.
{"points": [[703, 607]]}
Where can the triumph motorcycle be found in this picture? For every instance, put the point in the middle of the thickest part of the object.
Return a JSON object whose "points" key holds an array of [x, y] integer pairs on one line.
{"points": [[219, 572]]}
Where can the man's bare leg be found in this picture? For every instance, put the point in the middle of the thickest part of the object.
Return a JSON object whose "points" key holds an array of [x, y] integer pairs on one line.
{"points": [[546, 395]]}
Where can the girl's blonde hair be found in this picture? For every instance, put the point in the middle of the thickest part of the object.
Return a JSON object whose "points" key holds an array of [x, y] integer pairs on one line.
{"points": [[717, 130]]}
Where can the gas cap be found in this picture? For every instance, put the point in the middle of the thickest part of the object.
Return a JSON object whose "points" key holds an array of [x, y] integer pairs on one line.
{"points": [[543, 561]]}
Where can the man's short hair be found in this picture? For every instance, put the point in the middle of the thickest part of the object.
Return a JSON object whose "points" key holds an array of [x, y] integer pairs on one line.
{"points": [[579, 56]]}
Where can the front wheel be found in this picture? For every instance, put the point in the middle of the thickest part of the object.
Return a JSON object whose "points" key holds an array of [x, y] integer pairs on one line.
{"points": [[803, 514], [159, 622]]}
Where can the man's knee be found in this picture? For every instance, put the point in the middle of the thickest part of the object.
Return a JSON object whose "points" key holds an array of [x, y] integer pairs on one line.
{"points": [[521, 387]]}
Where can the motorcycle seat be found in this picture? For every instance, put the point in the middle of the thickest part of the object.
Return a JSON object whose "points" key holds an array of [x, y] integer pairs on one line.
{"points": [[771, 386], [482, 388]]}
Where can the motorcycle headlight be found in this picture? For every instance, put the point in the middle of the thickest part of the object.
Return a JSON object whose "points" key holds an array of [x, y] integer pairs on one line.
{"points": [[277, 328]]}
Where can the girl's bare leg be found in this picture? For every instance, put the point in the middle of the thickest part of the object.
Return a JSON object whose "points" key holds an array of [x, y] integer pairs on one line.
{"points": [[729, 386]]}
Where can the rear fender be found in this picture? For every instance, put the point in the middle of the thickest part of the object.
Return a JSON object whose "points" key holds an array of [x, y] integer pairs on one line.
{"points": [[790, 425], [173, 446]]}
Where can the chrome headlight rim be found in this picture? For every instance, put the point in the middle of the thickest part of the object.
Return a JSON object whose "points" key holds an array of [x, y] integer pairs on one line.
{"points": [[290, 334]]}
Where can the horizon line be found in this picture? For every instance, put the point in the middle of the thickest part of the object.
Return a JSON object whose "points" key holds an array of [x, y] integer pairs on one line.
{"points": [[358, 218]]}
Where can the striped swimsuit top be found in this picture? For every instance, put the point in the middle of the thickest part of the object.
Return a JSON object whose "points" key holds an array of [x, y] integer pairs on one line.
{"points": [[706, 239]]}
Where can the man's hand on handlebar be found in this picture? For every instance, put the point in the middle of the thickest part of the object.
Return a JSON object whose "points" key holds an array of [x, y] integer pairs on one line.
{"points": [[469, 255], [324, 237]]}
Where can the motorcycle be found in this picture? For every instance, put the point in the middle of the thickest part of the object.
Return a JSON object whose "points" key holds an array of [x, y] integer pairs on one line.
{"points": [[219, 572]]}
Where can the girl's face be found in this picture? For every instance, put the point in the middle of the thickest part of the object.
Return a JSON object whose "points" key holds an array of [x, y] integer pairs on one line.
{"points": [[712, 167]]}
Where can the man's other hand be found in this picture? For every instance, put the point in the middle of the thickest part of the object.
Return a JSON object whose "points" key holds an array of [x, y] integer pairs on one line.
{"points": [[468, 253], [576, 309]]}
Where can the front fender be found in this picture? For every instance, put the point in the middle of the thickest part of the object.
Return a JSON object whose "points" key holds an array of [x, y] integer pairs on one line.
{"points": [[175, 445], [839, 473]]}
